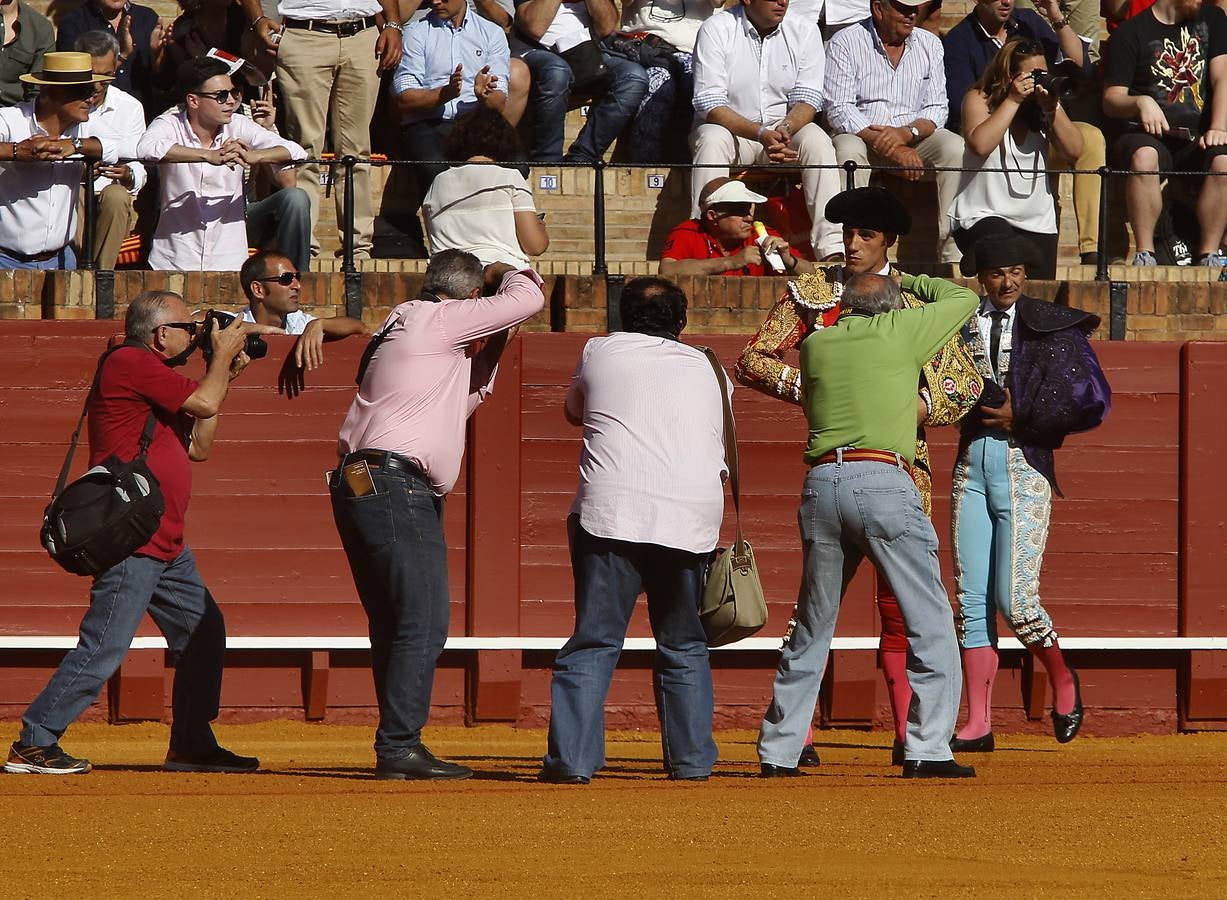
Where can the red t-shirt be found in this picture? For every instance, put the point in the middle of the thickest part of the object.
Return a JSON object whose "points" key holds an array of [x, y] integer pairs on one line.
{"points": [[135, 379], [690, 241]]}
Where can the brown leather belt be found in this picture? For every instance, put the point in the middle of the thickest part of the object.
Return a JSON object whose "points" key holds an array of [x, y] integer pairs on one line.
{"points": [[855, 455]]}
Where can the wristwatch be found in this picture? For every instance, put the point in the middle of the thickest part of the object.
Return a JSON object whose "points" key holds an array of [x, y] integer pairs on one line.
{"points": [[915, 133], [76, 146]]}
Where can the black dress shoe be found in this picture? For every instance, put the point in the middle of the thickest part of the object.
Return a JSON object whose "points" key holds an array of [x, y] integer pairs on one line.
{"points": [[767, 770], [940, 768], [896, 753], [1066, 727], [688, 777], [809, 756], [553, 776], [982, 744], [219, 759], [420, 764]]}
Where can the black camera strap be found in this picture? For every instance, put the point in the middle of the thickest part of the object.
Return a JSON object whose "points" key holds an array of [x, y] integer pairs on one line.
{"points": [[373, 344], [146, 434]]}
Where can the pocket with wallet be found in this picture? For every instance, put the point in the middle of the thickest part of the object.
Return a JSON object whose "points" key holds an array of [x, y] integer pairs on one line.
{"points": [[357, 477]]}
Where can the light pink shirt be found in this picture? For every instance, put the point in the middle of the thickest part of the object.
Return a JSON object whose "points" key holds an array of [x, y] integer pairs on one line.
{"points": [[202, 226], [652, 467], [414, 398]]}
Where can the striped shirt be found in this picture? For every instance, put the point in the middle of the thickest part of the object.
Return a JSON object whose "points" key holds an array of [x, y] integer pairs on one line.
{"points": [[864, 89], [652, 466], [758, 76]]}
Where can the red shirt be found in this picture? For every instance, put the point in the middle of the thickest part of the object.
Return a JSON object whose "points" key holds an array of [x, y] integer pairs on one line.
{"points": [[690, 241], [135, 379]]}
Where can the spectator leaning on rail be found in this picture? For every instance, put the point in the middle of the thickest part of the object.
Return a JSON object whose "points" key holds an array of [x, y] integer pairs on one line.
{"points": [[329, 59], [142, 42], [974, 43], [39, 198], [886, 103], [1042, 383], [646, 516], [757, 87], [115, 187], [1164, 79], [206, 223], [485, 209], [722, 240], [400, 448], [859, 381], [1009, 122], [27, 35], [454, 61], [161, 578], [566, 60], [872, 220], [271, 284]]}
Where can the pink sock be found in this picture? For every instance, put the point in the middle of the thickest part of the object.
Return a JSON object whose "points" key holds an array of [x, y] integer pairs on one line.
{"points": [[979, 671], [809, 735], [1062, 678], [894, 670]]}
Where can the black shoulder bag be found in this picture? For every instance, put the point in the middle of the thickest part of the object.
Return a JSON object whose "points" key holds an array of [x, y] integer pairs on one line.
{"points": [[108, 513]]}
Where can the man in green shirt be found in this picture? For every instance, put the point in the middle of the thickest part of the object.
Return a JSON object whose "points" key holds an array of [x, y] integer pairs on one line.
{"points": [[859, 381]]}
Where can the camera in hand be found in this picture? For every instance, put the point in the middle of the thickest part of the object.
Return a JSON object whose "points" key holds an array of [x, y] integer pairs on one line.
{"points": [[1059, 82], [255, 347]]}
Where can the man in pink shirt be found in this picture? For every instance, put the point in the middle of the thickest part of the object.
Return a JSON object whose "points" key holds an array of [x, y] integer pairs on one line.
{"points": [[400, 446]]}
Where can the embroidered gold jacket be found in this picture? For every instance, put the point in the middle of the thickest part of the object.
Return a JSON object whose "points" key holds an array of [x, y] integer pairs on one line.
{"points": [[950, 383]]}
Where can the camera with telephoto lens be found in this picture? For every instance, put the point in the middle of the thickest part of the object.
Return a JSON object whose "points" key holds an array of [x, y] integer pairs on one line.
{"points": [[255, 347], [1059, 84]]}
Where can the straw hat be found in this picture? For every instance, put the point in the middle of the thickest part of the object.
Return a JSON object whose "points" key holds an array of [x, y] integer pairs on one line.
{"points": [[65, 68]]}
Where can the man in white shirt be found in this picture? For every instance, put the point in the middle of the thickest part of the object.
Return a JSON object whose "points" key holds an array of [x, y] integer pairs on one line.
{"points": [[271, 283], [646, 516], [329, 59], [886, 104], [205, 217], [40, 201], [115, 187], [758, 81]]}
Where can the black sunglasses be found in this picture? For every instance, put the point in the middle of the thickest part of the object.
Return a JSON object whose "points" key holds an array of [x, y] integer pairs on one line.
{"points": [[285, 279], [190, 327], [220, 96]]}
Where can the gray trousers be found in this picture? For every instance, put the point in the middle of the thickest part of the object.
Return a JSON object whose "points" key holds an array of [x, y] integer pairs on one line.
{"points": [[849, 511]]}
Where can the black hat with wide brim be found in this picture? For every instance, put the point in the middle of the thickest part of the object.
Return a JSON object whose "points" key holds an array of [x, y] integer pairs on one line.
{"points": [[999, 251], [869, 207]]}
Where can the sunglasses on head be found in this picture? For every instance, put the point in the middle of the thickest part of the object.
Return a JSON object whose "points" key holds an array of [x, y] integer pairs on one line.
{"points": [[285, 278], [220, 96]]}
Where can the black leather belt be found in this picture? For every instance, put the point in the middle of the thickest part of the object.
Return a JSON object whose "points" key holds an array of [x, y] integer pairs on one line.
{"points": [[32, 257], [341, 29], [388, 461]]}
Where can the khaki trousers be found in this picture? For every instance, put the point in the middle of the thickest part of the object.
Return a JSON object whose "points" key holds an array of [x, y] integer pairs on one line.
{"points": [[941, 148], [115, 219], [1086, 187], [329, 85]]}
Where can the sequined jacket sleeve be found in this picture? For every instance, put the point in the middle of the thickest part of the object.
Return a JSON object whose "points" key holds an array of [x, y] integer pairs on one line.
{"points": [[951, 385], [761, 365]]}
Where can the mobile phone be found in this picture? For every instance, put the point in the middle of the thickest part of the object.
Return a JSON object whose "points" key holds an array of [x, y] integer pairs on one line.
{"points": [[358, 479], [1180, 132]]}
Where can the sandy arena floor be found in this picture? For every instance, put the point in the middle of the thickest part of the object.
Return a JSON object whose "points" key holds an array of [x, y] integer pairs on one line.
{"points": [[1126, 817]]}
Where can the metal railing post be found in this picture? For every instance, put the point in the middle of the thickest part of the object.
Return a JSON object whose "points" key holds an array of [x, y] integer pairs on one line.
{"points": [[1101, 240], [850, 168], [347, 215], [598, 218], [89, 213]]}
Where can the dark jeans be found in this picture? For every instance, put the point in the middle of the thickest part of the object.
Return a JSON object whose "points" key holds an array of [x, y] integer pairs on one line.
{"points": [[607, 116], [393, 539], [609, 575], [281, 222], [996, 227], [182, 607], [427, 140]]}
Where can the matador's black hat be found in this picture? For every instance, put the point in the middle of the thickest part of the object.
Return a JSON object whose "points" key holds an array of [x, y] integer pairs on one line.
{"points": [[869, 207], [999, 251]]}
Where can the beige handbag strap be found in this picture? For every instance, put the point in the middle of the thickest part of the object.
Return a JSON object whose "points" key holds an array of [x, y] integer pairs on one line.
{"points": [[730, 442]]}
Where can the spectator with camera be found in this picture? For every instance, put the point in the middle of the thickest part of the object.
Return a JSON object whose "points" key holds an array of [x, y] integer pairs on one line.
{"points": [[722, 241], [975, 41], [138, 393], [205, 222], [886, 103], [141, 37], [115, 187], [40, 200], [329, 60], [563, 52], [28, 34], [485, 209], [1164, 82], [758, 84], [1009, 121]]}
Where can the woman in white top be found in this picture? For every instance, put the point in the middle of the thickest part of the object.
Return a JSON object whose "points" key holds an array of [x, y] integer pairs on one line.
{"points": [[655, 134], [1008, 123], [484, 209]]}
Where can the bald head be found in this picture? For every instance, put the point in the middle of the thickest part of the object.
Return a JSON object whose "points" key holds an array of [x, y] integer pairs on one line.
{"points": [[871, 294]]}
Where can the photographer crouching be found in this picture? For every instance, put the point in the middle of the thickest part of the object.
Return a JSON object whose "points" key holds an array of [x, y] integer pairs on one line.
{"points": [[138, 401]]}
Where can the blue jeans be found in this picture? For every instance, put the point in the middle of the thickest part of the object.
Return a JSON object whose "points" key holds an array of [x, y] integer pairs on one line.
{"points": [[281, 222], [609, 575], [66, 259], [607, 116], [182, 608], [393, 539], [850, 511]]}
